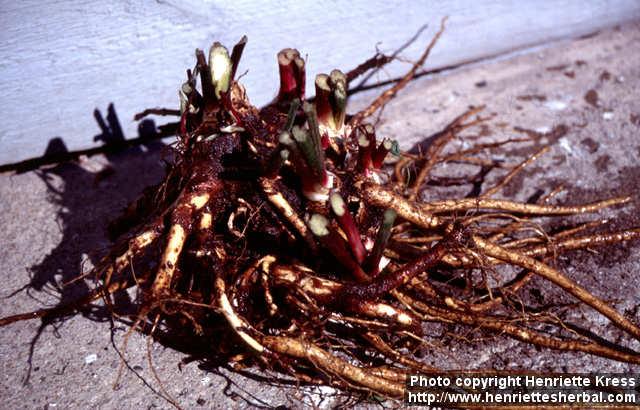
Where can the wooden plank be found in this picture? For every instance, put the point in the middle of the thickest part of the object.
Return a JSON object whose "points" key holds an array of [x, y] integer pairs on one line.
{"points": [[62, 60]]}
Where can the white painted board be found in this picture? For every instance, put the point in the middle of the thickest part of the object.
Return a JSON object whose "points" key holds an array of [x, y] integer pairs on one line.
{"points": [[59, 60]]}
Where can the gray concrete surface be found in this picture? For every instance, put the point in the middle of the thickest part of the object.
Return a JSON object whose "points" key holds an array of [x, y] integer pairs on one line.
{"points": [[53, 219]]}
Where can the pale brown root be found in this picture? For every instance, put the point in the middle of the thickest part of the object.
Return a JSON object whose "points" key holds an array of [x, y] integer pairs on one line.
{"points": [[379, 310], [156, 111], [465, 204], [380, 197], [326, 362], [552, 248], [206, 220], [322, 289], [167, 395], [135, 246], [516, 221], [579, 228], [546, 250], [286, 210], [431, 157], [526, 335], [423, 214], [351, 320], [264, 264], [426, 290], [481, 162], [239, 325], [377, 342], [243, 280], [517, 224], [432, 154], [520, 243], [268, 297], [463, 155], [391, 92], [491, 303], [422, 285], [58, 311], [390, 373], [515, 171], [301, 277], [175, 241], [559, 279], [543, 200], [548, 197], [419, 239], [582, 242]]}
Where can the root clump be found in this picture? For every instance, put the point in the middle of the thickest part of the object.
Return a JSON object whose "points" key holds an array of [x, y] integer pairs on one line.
{"points": [[282, 237]]}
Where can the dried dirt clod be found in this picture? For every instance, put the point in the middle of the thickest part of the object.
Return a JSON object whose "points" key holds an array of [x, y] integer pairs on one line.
{"points": [[591, 97], [591, 145], [532, 97]]}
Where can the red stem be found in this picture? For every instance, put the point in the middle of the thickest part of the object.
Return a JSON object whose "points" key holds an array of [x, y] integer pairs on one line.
{"points": [[372, 264], [366, 147], [208, 93], [381, 153], [348, 225], [292, 75], [236, 54], [323, 105], [354, 294], [338, 248], [336, 245]]}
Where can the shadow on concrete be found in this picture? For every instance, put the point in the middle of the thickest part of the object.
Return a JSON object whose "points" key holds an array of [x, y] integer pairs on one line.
{"points": [[89, 200], [88, 195]]}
